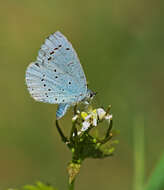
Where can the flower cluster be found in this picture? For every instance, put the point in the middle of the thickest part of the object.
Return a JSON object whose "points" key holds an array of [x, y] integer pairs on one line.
{"points": [[83, 144], [92, 117]]}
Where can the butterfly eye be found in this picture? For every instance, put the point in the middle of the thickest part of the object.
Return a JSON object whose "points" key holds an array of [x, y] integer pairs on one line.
{"points": [[92, 94]]}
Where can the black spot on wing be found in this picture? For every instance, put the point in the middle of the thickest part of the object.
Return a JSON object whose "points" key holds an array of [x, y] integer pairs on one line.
{"points": [[52, 52], [37, 64]]}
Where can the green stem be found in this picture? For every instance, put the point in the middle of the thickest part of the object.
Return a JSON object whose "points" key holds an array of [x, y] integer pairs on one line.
{"points": [[138, 136], [109, 129], [71, 186], [107, 136], [73, 130]]}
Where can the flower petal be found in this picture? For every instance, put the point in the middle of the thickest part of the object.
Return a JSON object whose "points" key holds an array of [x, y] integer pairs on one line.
{"points": [[108, 117], [101, 113], [74, 118], [94, 121], [85, 125], [88, 116]]}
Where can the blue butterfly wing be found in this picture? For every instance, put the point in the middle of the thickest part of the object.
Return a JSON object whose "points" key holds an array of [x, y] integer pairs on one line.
{"points": [[41, 85], [62, 108], [57, 75], [59, 51]]}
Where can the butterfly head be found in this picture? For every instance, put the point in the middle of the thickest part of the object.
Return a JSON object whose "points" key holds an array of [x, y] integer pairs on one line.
{"points": [[90, 94]]}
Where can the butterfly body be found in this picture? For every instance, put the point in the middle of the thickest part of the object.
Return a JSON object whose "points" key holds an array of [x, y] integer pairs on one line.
{"points": [[57, 76]]}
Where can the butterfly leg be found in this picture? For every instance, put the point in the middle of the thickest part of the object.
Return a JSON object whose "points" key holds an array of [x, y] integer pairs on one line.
{"points": [[62, 108]]}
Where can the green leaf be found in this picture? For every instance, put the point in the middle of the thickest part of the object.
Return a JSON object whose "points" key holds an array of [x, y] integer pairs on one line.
{"points": [[39, 186], [156, 180]]}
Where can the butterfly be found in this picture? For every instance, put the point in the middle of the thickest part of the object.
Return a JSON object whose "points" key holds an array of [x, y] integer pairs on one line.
{"points": [[57, 77]]}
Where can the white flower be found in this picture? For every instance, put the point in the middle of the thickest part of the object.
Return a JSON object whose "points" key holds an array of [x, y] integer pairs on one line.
{"points": [[74, 118], [92, 117], [89, 119], [108, 118], [94, 121], [101, 113], [85, 125]]}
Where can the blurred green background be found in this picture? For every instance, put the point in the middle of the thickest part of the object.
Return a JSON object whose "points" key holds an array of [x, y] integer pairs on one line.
{"points": [[120, 45]]}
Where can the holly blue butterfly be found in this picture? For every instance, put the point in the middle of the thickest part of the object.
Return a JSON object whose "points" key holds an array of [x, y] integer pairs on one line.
{"points": [[57, 77]]}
